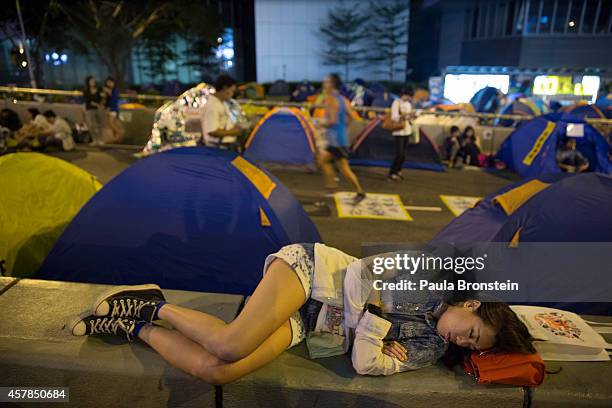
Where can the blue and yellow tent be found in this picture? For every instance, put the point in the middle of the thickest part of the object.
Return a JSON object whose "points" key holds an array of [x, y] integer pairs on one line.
{"points": [[190, 218], [531, 149], [546, 209], [521, 106], [283, 135], [582, 110]]}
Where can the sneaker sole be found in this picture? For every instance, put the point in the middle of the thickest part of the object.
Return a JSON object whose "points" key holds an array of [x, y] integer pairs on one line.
{"points": [[117, 289]]}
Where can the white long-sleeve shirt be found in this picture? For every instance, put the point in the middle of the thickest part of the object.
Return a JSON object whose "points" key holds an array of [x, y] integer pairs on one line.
{"points": [[399, 108], [342, 280]]}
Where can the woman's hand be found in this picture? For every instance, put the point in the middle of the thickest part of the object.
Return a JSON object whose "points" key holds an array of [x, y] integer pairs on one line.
{"points": [[396, 350]]}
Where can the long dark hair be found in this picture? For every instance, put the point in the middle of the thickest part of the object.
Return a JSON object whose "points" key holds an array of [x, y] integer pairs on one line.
{"points": [[87, 79], [465, 133], [512, 336]]}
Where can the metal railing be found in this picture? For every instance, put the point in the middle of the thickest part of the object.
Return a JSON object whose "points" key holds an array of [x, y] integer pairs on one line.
{"points": [[304, 105]]}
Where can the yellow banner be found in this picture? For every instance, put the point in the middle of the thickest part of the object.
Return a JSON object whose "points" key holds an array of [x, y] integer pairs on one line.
{"points": [[537, 146], [260, 180]]}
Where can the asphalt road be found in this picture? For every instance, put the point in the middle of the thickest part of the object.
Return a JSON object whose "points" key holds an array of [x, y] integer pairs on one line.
{"points": [[419, 188]]}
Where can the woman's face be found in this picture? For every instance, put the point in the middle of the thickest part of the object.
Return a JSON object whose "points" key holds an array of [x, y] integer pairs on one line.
{"points": [[463, 327], [328, 85], [469, 132], [91, 82]]}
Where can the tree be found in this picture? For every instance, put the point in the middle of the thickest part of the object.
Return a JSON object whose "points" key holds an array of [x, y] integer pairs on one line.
{"points": [[388, 36], [111, 29], [343, 33], [44, 26]]}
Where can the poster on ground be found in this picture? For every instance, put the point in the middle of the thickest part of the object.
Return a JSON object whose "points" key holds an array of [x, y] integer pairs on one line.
{"points": [[458, 204], [374, 206]]}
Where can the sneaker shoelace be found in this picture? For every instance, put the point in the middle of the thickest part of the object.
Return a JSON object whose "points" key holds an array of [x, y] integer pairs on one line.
{"points": [[129, 307], [107, 325]]}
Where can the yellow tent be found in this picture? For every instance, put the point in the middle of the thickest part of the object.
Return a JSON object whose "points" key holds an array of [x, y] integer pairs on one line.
{"points": [[39, 196]]}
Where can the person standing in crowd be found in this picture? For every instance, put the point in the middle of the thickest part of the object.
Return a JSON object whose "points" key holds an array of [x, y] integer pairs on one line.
{"points": [[111, 99], [59, 133], [401, 112], [112, 96], [219, 129], [96, 113], [334, 125]]}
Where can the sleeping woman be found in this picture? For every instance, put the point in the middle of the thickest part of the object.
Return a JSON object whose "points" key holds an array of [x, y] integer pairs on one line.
{"points": [[314, 293]]}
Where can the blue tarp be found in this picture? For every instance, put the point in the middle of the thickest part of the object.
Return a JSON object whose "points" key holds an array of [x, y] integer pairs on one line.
{"points": [[184, 219], [533, 138]]}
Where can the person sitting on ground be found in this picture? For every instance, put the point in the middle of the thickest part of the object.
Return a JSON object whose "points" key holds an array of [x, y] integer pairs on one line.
{"points": [[59, 133], [452, 146], [10, 120], [219, 130], [26, 138], [469, 146], [315, 293], [570, 159], [334, 127]]}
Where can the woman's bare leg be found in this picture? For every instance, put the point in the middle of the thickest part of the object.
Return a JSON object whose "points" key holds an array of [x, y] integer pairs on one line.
{"points": [[349, 175], [194, 359], [278, 296], [329, 175]]}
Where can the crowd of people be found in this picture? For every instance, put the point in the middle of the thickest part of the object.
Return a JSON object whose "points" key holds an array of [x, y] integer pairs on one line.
{"points": [[102, 107], [49, 130], [42, 130]]}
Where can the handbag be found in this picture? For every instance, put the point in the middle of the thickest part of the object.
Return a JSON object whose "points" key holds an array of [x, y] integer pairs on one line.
{"points": [[390, 125], [527, 370], [563, 336]]}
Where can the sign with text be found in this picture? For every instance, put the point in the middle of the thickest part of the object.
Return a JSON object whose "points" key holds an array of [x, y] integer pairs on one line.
{"points": [[375, 206]]}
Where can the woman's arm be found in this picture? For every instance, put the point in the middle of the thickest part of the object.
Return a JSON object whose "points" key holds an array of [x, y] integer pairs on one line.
{"points": [[395, 111], [368, 357]]}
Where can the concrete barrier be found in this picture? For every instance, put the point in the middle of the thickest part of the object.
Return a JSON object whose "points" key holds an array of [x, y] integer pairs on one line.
{"points": [[37, 352]]}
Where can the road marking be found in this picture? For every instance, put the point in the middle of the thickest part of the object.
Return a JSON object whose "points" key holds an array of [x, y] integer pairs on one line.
{"points": [[420, 208]]}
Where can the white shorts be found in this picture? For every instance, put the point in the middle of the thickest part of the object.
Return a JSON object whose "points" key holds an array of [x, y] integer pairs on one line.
{"points": [[300, 257]]}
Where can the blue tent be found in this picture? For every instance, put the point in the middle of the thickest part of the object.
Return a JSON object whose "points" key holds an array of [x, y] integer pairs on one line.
{"points": [[374, 146], [521, 106], [531, 149], [485, 100], [553, 208], [190, 218], [604, 103], [549, 215], [283, 135], [582, 110]]}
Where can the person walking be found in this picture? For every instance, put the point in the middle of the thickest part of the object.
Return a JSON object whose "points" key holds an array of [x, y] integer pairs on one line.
{"points": [[334, 126], [401, 112]]}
